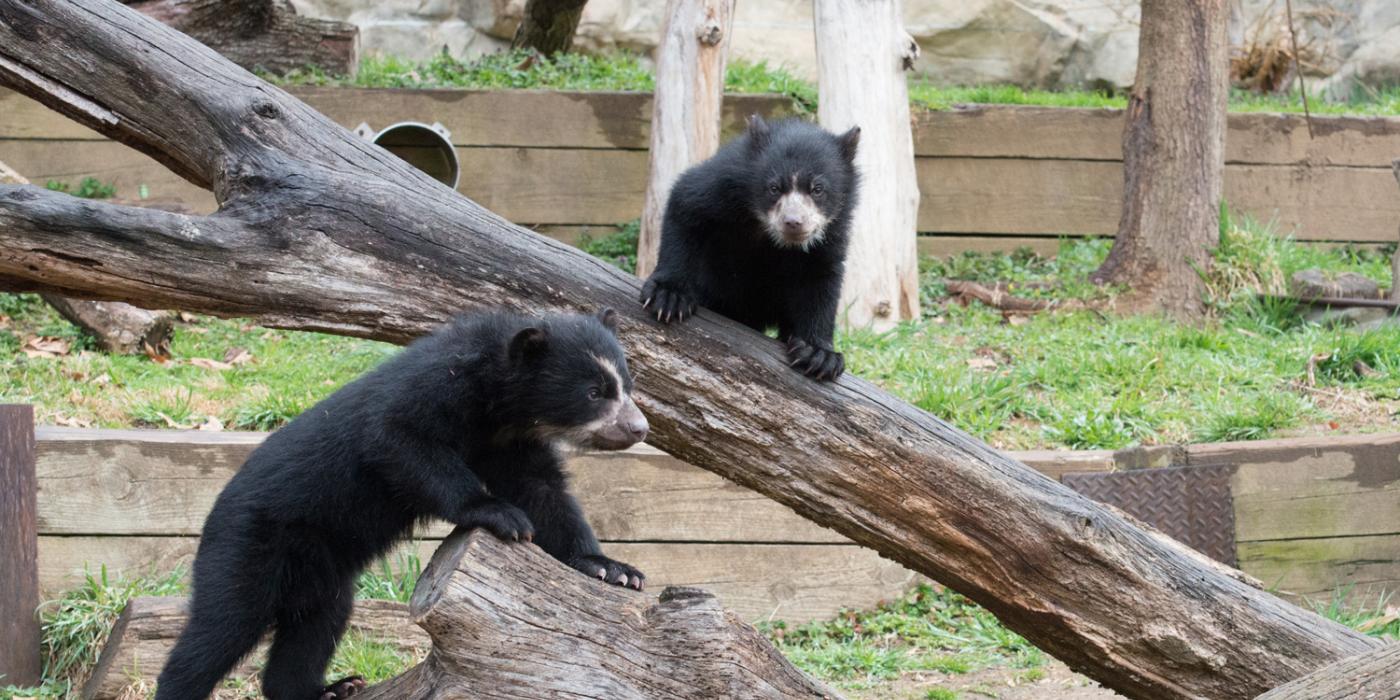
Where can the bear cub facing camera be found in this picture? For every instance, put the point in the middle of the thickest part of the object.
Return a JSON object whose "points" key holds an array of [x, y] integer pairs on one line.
{"points": [[463, 425], [759, 233]]}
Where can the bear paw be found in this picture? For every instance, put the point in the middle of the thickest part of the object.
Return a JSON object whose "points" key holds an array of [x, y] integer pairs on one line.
{"points": [[343, 688], [668, 301], [501, 519], [816, 362], [605, 569]]}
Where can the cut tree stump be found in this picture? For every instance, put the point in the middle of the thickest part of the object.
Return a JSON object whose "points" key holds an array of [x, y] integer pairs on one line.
{"points": [[685, 111], [509, 621], [1371, 676], [119, 328], [548, 26], [319, 230], [147, 629], [262, 34]]}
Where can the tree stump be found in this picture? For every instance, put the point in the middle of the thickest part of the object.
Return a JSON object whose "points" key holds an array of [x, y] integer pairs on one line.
{"points": [[509, 621], [548, 26]]}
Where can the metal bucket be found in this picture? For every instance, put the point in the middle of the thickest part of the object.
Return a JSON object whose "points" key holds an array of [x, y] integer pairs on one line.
{"points": [[426, 147]]}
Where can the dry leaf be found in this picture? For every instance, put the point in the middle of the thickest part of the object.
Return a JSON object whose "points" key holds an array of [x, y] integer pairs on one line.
{"points": [[5, 321], [44, 346], [1016, 319], [982, 363], [212, 425], [159, 355], [207, 363], [186, 317], [68, 422], [197, 329], [101, 380], [238, 356]]}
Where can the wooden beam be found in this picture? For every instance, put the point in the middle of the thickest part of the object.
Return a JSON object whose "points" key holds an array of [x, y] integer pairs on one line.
{"points": [[1374, 675], [20, 661]]}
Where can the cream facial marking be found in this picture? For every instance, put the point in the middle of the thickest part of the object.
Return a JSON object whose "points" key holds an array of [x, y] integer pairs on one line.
{"points": [[795, 220]]}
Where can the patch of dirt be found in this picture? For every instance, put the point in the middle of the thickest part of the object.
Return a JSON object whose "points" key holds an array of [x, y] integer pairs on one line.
{"points": [[1053, 681]]}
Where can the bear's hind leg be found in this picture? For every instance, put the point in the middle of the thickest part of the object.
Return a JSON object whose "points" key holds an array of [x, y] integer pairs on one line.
{"points": [[302, 647]]}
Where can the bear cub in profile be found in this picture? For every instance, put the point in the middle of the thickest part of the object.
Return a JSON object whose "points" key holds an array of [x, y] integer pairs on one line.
{"points": [[464, 425], [758, 233]]}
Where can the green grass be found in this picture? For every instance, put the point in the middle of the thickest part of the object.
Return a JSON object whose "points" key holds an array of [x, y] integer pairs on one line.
{"points": [[625, 71], [384, 581], [618, 247], [928, 629]]}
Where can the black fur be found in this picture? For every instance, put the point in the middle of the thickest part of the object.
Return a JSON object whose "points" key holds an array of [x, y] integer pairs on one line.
{"points": [[717, 252], [461, 426]]}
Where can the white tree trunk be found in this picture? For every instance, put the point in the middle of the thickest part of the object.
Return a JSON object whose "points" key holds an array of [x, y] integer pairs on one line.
{"points": [[685, 115], [862, 53]]}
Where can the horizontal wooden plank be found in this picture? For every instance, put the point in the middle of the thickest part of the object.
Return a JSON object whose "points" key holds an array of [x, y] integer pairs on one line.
{"points": [[966, 196], [534, 118], [1051, 197], [758, 581], [108, 161], [163, 483], [1364, 569], [1014, 131], [1312, 487]]}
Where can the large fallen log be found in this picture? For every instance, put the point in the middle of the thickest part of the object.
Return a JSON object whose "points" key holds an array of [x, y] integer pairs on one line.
{"points": [[508, 621], [262, 34], [319, 230], [146, 631], [1371, 676]]}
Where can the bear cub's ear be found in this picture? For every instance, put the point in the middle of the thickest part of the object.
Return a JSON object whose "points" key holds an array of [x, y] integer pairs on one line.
{"points": [[758, 133], [608, 318], [528, 344], [849, 141]]}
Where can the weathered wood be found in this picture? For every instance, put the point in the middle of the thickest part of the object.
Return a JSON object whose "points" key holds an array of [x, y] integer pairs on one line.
{"points": [[943, 245], [979, 196], [1363, 570], [1173, 159], [1395, 255], [1374, 675], [1327, 489], [794, 582], [685, 117], [862, 54], [523, 118], [548, 26], [20, 660], [336, 227], [261, 34], [570, 635], [146, 631]]}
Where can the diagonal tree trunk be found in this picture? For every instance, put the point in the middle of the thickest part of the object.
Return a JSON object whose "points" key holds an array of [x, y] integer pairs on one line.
{"points": [[1371, 676], [318, 230], [1173, 158]]}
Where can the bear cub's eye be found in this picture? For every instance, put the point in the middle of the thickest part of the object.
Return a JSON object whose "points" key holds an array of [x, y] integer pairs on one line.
{"points": [[774, 189], [817, 189], [594, 393]]}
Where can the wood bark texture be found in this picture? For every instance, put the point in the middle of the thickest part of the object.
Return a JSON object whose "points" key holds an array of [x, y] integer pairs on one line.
{"points": [[262, 34], [146, 631], [509, 621], [548, 26], [1371, 676], [685, 112], [319, 230], [119, 328], [862, 53], [1173, 158], [20, 660]]}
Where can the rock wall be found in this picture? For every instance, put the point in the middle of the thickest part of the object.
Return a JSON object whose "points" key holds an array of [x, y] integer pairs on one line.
{"points": [[1034, 43]]}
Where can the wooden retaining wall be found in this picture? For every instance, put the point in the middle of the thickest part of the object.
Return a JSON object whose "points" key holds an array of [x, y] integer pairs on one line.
{"points": [[992, 177], [1311, 515]]}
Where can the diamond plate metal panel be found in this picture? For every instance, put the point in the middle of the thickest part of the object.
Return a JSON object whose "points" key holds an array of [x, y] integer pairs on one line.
{"points": [[1191, 504]]}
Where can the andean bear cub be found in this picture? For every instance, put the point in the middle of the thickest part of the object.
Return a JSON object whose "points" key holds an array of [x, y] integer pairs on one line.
{"points": [[463, 425], [758, 233]]}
